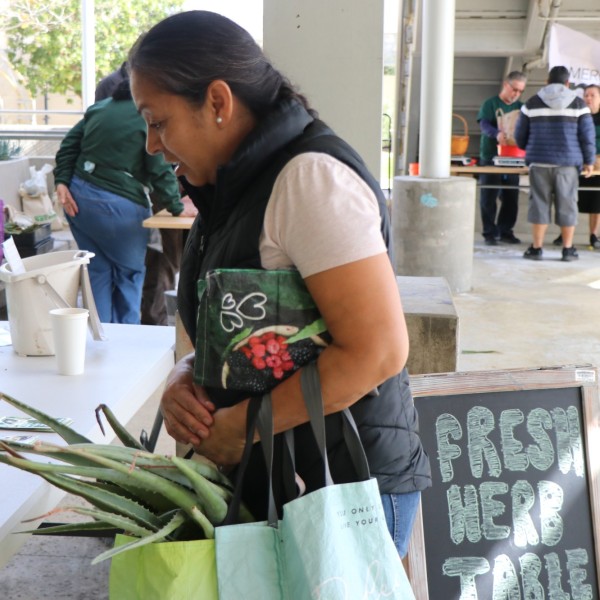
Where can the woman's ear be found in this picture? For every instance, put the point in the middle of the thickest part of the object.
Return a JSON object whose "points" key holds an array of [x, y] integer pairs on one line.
{"points": [[219, 100]]}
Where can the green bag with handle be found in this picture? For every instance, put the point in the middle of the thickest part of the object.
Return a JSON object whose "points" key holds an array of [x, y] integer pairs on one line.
{"points": [[255, 328], [330, 544], [164, 571]]}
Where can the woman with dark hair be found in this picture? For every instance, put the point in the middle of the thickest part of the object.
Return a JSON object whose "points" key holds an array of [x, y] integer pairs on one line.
{"points": [[103, 178], [276, 188]]}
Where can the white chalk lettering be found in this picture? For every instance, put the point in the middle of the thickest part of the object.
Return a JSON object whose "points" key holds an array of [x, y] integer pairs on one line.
{"points": [[447, 426], [575, 559], [514, 457], [568, 440], [491, 508], [531, 567], [506, 582], [542, 455], [480, 422], [551, 501], [555, 591], [523, 498], [511, 453], [464, 519], [467, 568]]}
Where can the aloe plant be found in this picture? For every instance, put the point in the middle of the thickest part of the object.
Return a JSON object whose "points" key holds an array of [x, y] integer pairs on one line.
{"points": [[149, 496]]}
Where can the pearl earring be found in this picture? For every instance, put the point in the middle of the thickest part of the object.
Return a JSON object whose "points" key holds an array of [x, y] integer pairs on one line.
{"points": [[219, 120]]}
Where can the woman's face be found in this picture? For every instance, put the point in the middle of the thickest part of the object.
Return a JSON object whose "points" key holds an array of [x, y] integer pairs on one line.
{"points": [[187, 135], [591, 96]]}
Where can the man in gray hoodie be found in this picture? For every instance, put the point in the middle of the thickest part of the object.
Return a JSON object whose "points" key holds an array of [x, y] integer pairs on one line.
{"points": [[556, 130]]}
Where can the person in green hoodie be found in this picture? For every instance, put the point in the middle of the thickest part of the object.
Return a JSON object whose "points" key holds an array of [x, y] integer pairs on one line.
{"points": [[103, 178]]}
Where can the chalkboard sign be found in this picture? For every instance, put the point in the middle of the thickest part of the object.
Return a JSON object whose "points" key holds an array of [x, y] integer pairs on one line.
{"points": [[513, 510]]}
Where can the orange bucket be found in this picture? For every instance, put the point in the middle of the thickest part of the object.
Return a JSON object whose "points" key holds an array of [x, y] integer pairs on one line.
{"points": [[512, 151]]}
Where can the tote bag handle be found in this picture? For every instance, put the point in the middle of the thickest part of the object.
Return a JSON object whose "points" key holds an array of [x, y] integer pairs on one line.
{"points": [[259, 418]]}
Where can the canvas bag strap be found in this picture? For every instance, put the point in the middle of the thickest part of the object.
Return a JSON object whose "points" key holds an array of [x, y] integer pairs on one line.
{"points": [[259, 410], [313, 399]]}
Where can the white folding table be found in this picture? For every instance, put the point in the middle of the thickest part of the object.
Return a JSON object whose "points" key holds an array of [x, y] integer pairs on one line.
{"points": [[122, 372]]}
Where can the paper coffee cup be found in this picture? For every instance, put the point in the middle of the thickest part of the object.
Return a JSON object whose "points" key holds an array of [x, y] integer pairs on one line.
{"points": [[69, 327]]}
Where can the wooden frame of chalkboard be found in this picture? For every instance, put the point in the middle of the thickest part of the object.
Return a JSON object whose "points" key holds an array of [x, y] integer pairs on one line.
{"points": [[514, 510]]}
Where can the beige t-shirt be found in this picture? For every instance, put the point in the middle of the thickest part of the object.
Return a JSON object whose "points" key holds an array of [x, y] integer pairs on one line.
{"points": [[320, 215]]}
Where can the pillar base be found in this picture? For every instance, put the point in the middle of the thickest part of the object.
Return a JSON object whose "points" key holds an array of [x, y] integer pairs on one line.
{"points": [[433, 228]]}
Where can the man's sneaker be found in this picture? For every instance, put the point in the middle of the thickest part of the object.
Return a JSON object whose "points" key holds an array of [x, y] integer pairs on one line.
{"points": [[490, 241], [533, 253], [569, 254], [557, 241], [509, 238], [594, 242]]}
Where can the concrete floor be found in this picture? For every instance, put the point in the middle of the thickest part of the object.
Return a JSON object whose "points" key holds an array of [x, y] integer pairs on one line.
{"points": [[519, 314]]}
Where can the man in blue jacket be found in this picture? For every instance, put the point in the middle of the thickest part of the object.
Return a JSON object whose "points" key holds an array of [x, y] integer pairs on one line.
{"points": [[556, 130]]}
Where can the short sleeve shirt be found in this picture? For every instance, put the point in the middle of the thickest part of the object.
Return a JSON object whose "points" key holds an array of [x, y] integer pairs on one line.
{"points": [[321, 215]]}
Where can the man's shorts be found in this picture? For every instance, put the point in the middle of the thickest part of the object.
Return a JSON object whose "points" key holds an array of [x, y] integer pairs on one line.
{"points": [[553, 185]]}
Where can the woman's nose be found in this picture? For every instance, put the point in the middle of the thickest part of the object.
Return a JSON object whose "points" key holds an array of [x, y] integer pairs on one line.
{"points": [[153, 142]]}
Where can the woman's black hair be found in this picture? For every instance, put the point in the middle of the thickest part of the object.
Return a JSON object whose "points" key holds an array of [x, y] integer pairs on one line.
{"points": [[184, 53], [122, 91]]}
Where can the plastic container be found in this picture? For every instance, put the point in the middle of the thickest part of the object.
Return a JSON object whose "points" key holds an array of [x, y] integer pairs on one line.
{"points": [[34, 237], [40, 248], [513, 151], [50, 281]]}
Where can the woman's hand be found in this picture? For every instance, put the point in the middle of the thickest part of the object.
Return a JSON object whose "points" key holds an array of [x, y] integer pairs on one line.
{"points": [[185, 406], [68, 203], [226, 440]]}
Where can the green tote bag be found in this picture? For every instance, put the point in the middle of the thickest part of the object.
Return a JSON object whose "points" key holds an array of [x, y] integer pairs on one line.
{"points": [[164, 571], [330, 544], [255, 327]]}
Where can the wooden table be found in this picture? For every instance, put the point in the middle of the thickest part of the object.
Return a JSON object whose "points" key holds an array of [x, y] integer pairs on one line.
{"points": [[472, 171], [163, 219], [122, 372], [491, 169]]}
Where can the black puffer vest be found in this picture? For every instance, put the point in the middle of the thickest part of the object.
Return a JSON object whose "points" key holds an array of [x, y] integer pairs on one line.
{"points": [[226, 235]]}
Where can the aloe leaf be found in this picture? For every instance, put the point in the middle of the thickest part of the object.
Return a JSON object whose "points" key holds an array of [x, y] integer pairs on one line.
{"points": [[213, 504], [159, 536], [178, 494], [98, 497], [116, 521], [156, 463], [71, 528], [66, 433], [126, 438]]}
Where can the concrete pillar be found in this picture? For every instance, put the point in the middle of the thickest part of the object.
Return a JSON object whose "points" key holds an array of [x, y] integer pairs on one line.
{"points": [[437, 74], [332, 51], [433, 228]]}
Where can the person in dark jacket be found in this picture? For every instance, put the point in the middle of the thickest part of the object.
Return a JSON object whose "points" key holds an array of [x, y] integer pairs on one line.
{"points": [[276, 188], [103, 178], [557, 132]]}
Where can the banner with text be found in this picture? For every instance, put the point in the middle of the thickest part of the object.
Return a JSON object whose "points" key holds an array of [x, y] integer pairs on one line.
{"points": [[578, 52]]}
